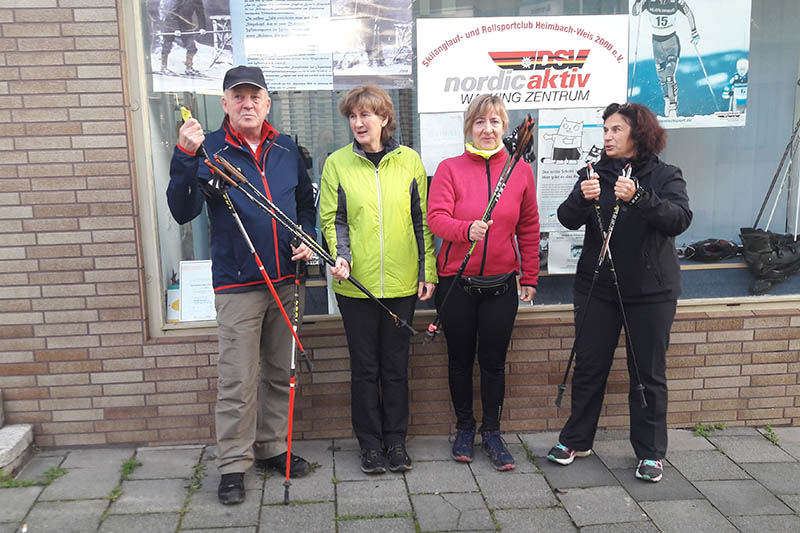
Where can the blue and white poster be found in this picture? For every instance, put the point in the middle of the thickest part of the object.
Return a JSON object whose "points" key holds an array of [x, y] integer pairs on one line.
{"points": [[689, 61]]}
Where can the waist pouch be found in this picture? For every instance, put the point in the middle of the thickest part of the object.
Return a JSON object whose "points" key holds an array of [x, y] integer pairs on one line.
{"points": [[487, 285]]}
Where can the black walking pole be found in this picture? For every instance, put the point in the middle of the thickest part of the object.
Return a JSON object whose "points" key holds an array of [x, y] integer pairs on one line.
{"points": [[605, 251], [518, 145]]}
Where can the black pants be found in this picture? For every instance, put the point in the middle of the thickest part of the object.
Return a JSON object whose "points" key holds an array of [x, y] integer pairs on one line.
{"points": [[486, 323], [378, 369], [649, 331]]}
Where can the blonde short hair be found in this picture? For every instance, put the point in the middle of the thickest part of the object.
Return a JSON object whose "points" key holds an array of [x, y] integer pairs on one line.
{"points": [[481, 105], [374, 99]]}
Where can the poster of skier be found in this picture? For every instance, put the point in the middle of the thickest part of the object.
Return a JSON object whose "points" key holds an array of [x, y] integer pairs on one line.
{"points": [[372, 43], [689, 61], [190, 45], [568, 140]]}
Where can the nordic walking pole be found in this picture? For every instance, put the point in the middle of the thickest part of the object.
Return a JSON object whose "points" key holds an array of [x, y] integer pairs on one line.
{"points": [[708, 83], [635, 56], [604, 250], [292, 383], [778, 170], [520, 145], [272, 210]]}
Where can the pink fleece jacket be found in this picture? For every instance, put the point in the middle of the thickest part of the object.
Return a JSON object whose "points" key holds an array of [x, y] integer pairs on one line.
{"points": [[459, 194]]}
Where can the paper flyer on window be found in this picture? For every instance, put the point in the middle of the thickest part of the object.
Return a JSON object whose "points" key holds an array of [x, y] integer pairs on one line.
{"points": [[196, 291], [568, 140], [564, 250], [689, 61], [530, 62], [325, 44]]}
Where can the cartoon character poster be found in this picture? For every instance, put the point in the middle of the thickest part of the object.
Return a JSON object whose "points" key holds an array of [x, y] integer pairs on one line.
{"points": [[689, 60], [568, 140]]}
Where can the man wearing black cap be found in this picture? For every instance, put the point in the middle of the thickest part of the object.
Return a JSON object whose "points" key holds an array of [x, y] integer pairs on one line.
{"points": [[254, 341]]}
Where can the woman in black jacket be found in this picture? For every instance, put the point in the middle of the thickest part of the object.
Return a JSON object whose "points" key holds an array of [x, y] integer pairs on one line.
{"points": [[653, 208]]}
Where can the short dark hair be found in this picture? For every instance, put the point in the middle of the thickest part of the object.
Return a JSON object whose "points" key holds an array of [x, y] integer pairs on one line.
{"points": [[646, 132]]}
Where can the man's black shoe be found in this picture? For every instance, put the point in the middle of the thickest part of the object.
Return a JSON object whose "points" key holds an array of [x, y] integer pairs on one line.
{"points": [[372, 462], [231, 488], [299, 467], [399, 461]]}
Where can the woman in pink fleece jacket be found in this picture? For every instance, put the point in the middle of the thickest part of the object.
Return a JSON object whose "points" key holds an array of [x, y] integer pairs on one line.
{"points": [[480, 313]]}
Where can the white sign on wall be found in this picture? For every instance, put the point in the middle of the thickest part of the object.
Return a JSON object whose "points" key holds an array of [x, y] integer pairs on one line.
{"points": [[530, 62]]}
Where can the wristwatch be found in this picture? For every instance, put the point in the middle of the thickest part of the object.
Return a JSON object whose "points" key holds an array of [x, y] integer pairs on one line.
{"points": [[637, 195]]}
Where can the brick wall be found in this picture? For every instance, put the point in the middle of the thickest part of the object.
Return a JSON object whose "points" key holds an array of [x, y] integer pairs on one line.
{"points": [[75, 356]]}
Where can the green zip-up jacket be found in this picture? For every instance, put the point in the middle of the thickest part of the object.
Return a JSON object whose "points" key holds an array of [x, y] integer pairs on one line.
{"points": [[375, 219]]}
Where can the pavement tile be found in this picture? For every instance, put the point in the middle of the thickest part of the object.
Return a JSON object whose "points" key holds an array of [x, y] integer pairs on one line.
{"points": [[253, 529], [612, 434], [510, 491], [66, 517], [151, 496], [601, 505], [315, 451], [737, 431], [792, 500], [546, 520], [481, 464], [35, 469], [433, 448], [705, 465], [583, 472], [307, 517], [316, 487], [98, 458], [404, 524], [741, 498], [779, 478], [163, 462], [673, 486], [685, 440], [625, 527], [205, 511], [792, 449], [690, 515], [149, 523], [15, 502], [82, 484], [345, 445], [9, 527], [540, 443], [440, 476], [787, 435], [451, 512], [615, 453], [751, 449], [373, 497], [773, 524]]}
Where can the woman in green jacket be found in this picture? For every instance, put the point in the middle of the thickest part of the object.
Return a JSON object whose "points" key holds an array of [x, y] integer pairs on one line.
{"points": [[372, 209]]}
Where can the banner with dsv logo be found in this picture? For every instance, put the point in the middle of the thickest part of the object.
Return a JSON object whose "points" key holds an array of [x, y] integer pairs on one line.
{"points": [[530, 62]]}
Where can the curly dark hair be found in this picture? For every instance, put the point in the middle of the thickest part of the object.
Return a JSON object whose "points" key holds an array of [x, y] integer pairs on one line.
{"points": [[646, 132]]}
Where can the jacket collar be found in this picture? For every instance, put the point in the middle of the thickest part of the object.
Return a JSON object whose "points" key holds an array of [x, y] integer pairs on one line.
{"points": [[390, 145], [268, 133]]}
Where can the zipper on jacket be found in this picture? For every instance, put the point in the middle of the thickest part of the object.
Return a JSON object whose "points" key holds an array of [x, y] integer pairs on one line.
{"points": [[488, 197], [380, 222]]}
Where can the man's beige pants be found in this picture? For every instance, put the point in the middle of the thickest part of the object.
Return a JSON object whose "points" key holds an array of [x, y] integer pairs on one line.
{"points": [[255, 346]]}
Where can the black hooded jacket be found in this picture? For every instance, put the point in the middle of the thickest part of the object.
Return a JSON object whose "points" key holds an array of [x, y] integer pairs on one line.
{"points": [[643, 240]]}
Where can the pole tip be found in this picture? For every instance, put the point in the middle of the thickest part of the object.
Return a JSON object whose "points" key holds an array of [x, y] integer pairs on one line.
{"points": [[286, 486], [561, 389]]}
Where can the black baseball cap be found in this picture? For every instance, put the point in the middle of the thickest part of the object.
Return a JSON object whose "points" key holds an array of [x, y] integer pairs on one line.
{"points": [[244, 75]]}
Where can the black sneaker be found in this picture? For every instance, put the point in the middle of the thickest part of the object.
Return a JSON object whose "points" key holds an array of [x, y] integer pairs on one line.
{"points": [[494, 446], [399, 461], [562, 455], [464, 445], [372, 462], [298, 468], [650, 470], [231, 489]]}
